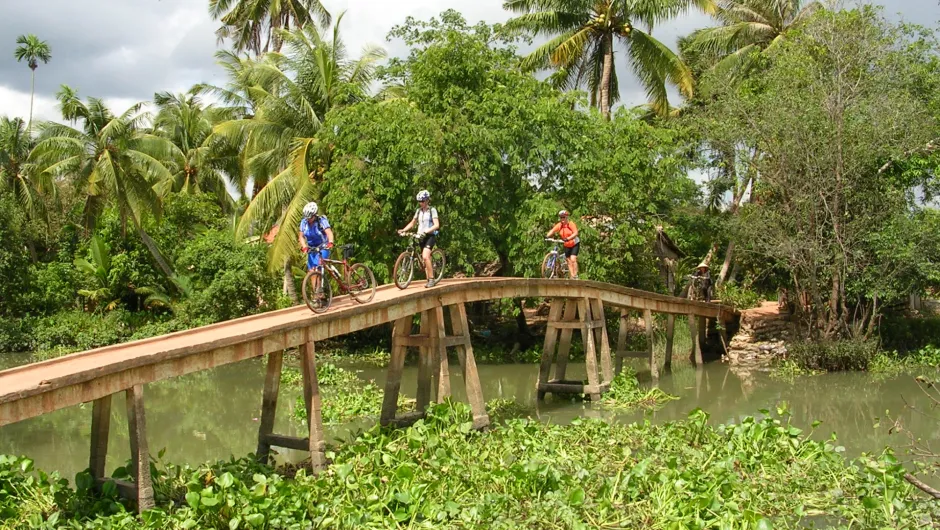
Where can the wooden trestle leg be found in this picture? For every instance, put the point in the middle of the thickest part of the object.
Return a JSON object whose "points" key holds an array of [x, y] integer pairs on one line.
{"points": [[314, 442], [432, 342], [586, 315], [141, 490]]}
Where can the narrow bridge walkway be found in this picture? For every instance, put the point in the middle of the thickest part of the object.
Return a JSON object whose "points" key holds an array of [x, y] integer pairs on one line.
{"points": [[576, 305]]}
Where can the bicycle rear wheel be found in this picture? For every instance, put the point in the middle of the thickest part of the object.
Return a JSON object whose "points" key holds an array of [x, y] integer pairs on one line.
{"points": [[548, 265], [404, 270], [361, 283], [563, 270], [438, 262], [317, 293]]}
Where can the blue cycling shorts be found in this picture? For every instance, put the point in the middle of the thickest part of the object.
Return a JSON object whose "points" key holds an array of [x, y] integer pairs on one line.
{"points": [[313, 258]]}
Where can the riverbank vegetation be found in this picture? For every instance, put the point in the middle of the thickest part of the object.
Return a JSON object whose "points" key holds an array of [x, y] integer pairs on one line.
{"points": [[441, 473]]}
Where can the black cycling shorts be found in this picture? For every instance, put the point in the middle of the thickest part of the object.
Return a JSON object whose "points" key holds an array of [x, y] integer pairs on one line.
{"points": [[428, 241], [573, 251]]}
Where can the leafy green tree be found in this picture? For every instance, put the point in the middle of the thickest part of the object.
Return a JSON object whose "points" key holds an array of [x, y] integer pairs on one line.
{"points": [[254, 25], [583, 36], [32, 50], [747, 28], [836, 101], [108, 159]]}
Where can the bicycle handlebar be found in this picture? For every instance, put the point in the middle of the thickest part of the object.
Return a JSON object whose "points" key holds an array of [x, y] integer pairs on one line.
{"points": [[410, 234], [550, 240]]}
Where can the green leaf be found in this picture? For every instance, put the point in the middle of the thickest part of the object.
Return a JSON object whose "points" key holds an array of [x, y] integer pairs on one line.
{"points": [[192, 498], [256, 520], [576, 496]]}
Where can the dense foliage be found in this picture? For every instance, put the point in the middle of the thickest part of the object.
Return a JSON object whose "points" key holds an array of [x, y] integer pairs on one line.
{"points": [[441, 473]]}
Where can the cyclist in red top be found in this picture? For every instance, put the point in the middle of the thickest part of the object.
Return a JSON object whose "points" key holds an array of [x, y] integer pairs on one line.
{"points": [[568, 232]]}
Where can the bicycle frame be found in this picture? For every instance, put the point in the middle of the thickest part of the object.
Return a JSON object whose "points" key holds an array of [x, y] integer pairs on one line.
{"points": [[341, 279], [416, 251]]}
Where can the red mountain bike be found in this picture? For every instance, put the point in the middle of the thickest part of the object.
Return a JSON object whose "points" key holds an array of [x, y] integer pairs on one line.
{"points": [[355, 279]]}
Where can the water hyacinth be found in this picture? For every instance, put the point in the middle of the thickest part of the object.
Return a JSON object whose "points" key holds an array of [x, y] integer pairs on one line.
{"points": [[440, 473]]}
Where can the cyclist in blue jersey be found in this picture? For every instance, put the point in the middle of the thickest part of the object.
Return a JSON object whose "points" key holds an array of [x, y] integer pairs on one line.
{"points": [[314, 232], [428, 228]]}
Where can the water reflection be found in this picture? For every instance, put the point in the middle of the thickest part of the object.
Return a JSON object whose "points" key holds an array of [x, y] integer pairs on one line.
{"points": [[213, 414]]}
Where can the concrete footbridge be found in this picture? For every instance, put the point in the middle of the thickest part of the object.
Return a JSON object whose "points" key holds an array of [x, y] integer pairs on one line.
{"points": [[575, 305]]}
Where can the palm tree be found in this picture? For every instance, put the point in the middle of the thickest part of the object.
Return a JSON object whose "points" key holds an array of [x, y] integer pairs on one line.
{"points": [[196, 164], [747, 28], [15, 171], [583, 34], [290, 96], [32, 50], [109, 159], [254, 25]]}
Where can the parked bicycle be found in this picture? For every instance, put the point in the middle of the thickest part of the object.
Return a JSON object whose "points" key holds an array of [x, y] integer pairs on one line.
{"points": [[405, 264], [355, 279], [697, 290], [554, 265]]}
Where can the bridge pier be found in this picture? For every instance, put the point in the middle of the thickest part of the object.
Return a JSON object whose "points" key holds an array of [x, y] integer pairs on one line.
{"points": [[565, 316], [432, 342], [648, 353], [141, 490], [314, 442]]}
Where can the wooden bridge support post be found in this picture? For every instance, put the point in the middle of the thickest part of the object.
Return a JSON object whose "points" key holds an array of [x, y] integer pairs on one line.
{"points": [[272, 384], [140, 455], [621, 341], [670, 329], [100, 429], [586, 315], [433, 369], [442, 371], [468, 365], [654, 366], [316, 443], [396, 364], [696, 354], [141, 490]]}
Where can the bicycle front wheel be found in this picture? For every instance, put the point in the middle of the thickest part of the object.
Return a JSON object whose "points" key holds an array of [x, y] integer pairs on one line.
{"points": [[404, 270], [317, 291], [548, 265], [438, 262], [361, 283]]}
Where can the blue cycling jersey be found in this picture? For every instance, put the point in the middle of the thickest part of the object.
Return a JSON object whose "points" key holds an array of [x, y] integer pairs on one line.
{"points": [[315, 233]]}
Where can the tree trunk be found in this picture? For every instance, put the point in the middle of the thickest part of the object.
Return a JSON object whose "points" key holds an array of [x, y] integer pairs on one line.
{"points": [[152, 247], [290, 289], [605, 76], [32, 96]]}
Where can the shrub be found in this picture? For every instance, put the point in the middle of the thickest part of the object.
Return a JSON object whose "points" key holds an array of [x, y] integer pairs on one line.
{"points": [[833, 355], [81, 331], [737, 296], [903, 333]]}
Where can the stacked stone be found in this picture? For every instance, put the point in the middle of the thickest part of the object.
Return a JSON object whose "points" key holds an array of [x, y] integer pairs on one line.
{"points": [[762, 337]]}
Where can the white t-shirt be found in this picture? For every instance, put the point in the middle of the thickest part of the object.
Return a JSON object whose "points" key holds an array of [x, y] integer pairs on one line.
{"points": [[425, 219]]}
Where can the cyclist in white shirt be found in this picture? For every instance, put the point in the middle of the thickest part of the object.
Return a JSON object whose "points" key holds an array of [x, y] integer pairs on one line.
{"points": [[429, 225]]}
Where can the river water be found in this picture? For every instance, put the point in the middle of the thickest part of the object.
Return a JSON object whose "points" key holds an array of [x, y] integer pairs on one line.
{"points": [[213, 414]]}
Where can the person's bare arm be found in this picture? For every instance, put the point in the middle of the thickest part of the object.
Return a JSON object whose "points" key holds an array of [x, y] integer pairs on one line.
{"points": [[302, 240]]}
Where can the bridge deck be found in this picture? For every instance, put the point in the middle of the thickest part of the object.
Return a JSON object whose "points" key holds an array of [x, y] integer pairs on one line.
{"points": [[39, 388]]}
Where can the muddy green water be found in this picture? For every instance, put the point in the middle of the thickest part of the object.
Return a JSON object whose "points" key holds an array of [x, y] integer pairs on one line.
{"points": [[214, 414]]}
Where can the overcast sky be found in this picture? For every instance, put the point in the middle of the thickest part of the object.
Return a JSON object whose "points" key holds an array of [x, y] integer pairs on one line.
{"points": [[125, 50]]}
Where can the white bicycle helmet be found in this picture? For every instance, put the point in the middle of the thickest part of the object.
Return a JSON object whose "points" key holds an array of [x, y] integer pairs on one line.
{"points": [[563, 213], [310, 209], [423, 195]]}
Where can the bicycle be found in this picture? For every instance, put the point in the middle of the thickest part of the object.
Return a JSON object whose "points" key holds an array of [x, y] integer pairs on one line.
{"points": [[552, 266], [356, 279], [405, 264], [696, 289]]}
